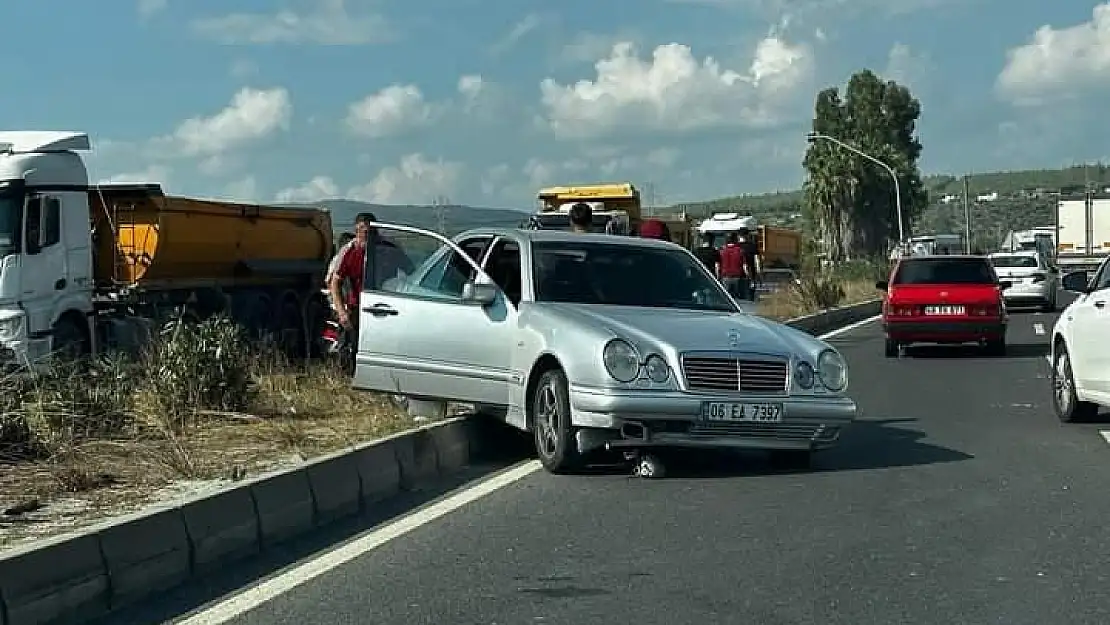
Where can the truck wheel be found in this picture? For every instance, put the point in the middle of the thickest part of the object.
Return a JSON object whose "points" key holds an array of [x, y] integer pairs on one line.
{"points": [[551, 428], [70, 341]]}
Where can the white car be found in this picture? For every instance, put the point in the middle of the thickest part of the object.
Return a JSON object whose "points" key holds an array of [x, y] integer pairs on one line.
{"points": [[1080, 354], [1033, 280]]}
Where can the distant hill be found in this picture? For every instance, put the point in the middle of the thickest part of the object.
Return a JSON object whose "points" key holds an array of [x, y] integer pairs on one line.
{"points": [[1025, 200], [452, 219]]}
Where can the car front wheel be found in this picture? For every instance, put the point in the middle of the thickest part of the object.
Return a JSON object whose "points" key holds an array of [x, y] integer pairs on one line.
{"points": [[1065, 401], [551, 426]]}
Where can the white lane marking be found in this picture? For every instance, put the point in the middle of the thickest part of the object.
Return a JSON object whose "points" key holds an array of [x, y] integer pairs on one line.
{"points": [[273, 587], [1105, 435], [1038, 329], [239, 604], [849, 327]]}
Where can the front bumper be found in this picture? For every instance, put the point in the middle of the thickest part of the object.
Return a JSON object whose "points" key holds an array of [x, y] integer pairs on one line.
{"points": [[948, 331], [673, 419]]}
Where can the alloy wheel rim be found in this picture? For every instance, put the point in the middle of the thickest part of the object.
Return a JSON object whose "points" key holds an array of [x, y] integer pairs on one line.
{"points": [[1062, 383], [547, 420]]}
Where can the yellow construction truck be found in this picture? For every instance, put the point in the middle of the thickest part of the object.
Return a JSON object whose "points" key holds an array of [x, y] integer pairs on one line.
{"points": [[618, 202]]}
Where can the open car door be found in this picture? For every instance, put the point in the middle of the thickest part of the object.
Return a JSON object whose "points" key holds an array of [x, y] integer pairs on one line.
{"points": [[441, 329]]}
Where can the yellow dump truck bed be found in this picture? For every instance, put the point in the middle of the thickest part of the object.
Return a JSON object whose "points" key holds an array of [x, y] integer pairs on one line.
{"points": [[147, 239]]}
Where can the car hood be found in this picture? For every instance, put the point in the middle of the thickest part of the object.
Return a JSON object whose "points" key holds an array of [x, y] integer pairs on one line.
{"points": [[910, 294], [690, 330]]}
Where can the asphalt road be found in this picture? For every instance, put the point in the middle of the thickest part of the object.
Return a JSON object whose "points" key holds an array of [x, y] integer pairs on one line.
{"points": [[958, 498]]}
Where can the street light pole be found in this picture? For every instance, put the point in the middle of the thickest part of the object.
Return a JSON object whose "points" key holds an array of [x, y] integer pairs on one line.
{"points": [[814, 136]]}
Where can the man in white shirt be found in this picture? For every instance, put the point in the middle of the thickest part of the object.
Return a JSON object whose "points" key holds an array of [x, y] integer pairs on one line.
{"points": [[345, 241]]}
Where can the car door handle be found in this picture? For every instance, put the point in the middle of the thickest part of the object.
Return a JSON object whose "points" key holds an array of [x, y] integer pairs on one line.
{"points": [[381, 310], [60, 285], [1100, 304]]}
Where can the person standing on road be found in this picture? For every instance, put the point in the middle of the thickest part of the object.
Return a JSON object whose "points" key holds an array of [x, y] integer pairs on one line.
{"points": [[734, 267], [345, 241], [655, 229], [389, 261], [708, 255], [581, 217], [751, 260]]}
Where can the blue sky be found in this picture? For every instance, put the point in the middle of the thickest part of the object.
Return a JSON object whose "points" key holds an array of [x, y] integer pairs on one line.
{"points": [[481, 102]]}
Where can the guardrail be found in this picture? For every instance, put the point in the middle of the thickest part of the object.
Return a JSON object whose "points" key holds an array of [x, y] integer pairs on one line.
{"points": [[86, 574]]}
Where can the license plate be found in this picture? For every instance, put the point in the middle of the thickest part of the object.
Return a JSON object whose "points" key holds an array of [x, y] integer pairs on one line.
{"points": [[726, 412], [944, 310]]}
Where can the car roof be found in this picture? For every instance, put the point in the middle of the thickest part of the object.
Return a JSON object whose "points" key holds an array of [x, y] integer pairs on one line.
{"points": [[563, 236], [909, 259]]}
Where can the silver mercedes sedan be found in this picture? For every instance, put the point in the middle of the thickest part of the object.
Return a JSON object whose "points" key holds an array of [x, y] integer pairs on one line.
{"points": [[592, 342]]}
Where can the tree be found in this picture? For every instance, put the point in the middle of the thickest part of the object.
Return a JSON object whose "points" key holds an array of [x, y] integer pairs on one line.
{"points": [[850, 200]]}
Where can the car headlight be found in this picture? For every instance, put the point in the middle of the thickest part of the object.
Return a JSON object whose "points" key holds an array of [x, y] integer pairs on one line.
{"points": [[11, 327], [833, 370], [622, 361], [803, 375], [657, 369]]}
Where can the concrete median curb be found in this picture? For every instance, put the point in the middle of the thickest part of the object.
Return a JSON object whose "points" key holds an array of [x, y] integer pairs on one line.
{"points": [[77, 577], [829, 320], [86, 574]]}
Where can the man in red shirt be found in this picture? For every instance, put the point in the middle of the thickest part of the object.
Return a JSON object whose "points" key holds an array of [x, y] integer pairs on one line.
{"points": [[655, 229], [734, 268], [389, 260]]}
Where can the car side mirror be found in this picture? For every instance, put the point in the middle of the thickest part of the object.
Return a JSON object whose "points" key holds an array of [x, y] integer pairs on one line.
{"points": [[1076, 282], [479, 292], [882, 285], [1005, 284]]}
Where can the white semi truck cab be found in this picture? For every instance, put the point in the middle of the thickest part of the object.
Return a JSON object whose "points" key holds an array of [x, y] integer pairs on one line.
{"points": [[46, 270], [89, 267]]}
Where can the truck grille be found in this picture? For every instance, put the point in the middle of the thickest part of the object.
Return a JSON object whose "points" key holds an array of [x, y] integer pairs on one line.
{"points": [[746, 375]]}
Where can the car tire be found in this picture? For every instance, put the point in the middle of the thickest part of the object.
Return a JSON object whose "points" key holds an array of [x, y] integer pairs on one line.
{"points": [[1065, 401], [996, 347], [552, 431], [891, 348]]}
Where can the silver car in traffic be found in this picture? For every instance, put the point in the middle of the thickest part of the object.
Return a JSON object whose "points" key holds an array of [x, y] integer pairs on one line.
{"points": [[594, 341], [1034, 280]]}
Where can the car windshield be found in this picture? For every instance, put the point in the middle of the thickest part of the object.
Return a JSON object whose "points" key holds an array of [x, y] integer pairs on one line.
{"points": [[945, 271], [624, 275], [1014, 261]]}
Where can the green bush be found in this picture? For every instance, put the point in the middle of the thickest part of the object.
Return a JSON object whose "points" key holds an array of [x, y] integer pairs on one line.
{"points": [[200, 366], [819, 290], [188, 368]]}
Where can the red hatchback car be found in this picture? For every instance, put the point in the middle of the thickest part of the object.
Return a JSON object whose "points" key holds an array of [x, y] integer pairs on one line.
{"points": [[944, 299]]}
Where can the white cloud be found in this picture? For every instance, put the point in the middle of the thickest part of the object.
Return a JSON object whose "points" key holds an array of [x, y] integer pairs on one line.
{"points": [[674, 92], [526, 25], [587, 47], [148, 8], [908, 67], [330, 24], [154, 173], [253, 114], [415, 180], [470, 86], [1058, 63], [393, 110], [319, 188]]}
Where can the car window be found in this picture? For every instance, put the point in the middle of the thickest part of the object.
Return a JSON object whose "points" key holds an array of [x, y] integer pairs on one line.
{"points": [[504, 267], [1102, 280], [450, 272], [945, 271], [1017, 261], [624, 275]]}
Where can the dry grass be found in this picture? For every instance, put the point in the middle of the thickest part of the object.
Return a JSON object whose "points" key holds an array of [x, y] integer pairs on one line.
{"points": [[80, 446], [789, 303]]}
